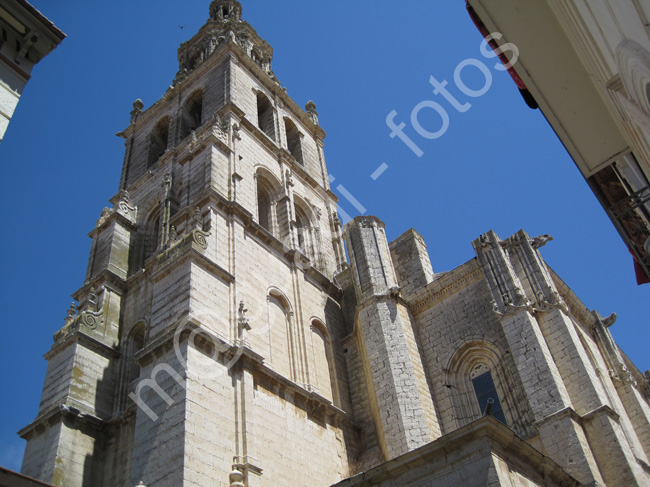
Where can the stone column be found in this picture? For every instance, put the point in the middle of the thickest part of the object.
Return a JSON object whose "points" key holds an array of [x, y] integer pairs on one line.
{"points": [[246, 460]]}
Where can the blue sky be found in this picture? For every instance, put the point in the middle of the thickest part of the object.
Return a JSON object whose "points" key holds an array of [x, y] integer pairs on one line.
{"points": [[498, 165]]}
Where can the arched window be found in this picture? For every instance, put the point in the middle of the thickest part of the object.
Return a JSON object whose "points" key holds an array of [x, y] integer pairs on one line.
{"points": [[158, 140], [135, 343], [271, 215], [265, 116], [294, 140], [306, 233], [151, 235], [280, 354], [192, 114], [476, 374], [265, 205], [321, 370], [303, 229]]}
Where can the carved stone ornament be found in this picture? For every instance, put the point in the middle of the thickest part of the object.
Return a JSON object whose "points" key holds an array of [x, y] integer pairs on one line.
{"points": [[194, 142], [173, 235], [137, 110], [220, 128], [89, 318], [235, 132], [622, 375], [512, 304], [367, 223], [105, 214], [123, 207], [199, 237], [540, 241], [549, 301], [336, 221], [310, 107], [167, 180], [243, 319]]}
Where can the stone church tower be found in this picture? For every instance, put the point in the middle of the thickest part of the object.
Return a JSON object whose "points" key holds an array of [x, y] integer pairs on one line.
{"points": [[222, 339]]}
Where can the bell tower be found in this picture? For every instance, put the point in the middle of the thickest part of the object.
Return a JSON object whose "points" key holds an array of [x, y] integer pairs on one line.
{"points": [[207, 328]]}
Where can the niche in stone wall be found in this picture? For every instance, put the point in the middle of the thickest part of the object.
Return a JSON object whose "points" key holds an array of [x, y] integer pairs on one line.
{"points": [[321, 370], [279, 333]]}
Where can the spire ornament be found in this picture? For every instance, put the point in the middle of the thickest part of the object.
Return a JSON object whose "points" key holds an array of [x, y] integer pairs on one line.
{"points": [[225, 27], [226, 10]]}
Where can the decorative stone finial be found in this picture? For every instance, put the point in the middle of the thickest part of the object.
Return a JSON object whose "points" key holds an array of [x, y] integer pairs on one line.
{"points": [[236, 477], [69, 319], [137, 110], [310, 107], [92, 299]]}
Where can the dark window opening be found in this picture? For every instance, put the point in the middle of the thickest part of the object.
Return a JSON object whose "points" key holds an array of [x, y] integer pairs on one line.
{"points": [[265, 120], [192, 114], [294, 143], [135, 344], [263, 206], [158, 141], [302, 229], [151, 238], [485, 390]]}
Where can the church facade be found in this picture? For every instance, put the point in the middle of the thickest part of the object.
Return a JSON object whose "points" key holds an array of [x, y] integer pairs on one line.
{"points": [[222, 337]]}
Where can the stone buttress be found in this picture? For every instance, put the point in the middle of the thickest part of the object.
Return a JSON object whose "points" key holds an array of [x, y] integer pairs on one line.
{"points": [[400, 398]]}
